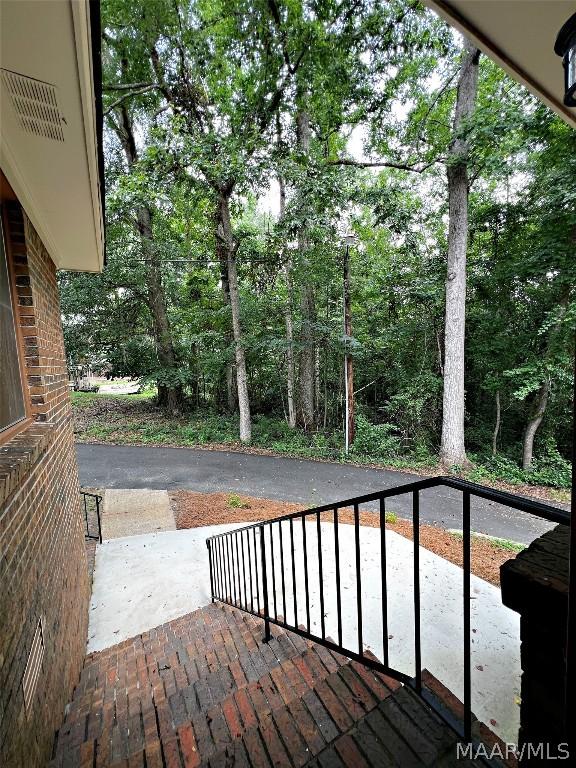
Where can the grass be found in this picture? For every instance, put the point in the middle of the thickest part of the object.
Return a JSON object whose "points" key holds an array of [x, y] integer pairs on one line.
{"points": [[505, 544], [134, 420]]}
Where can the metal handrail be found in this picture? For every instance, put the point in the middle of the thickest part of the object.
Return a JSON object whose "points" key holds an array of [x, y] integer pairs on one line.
{"points": [[236, 557], [86, 496]]}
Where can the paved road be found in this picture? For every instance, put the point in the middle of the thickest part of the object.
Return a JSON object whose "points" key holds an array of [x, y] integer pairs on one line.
{"points": [[308, 483]]}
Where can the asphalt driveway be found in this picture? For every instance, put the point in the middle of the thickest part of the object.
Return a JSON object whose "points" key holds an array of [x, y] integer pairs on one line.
{"points": [[308, 483]]}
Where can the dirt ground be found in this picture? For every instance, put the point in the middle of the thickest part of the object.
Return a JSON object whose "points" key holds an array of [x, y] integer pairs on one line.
{"points": [[192, 510]]}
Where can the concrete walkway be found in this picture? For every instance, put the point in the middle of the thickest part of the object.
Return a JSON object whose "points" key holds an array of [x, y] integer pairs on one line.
{"points": [[130, 512], [143, 581]]}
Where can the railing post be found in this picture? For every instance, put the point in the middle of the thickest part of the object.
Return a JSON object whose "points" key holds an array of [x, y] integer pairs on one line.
{"points": [[98, 499], [466, 565], [265, 585], [208, 542]]}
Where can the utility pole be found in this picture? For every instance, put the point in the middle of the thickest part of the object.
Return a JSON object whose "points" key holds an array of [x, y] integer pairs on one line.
{"points": [[349, 426]]}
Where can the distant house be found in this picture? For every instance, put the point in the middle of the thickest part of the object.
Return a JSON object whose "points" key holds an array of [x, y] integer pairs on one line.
{"points": [[51, 204]]}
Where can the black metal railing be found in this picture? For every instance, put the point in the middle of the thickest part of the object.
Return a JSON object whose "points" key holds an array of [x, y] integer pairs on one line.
{"points": [[92, 520], [264, 568]]}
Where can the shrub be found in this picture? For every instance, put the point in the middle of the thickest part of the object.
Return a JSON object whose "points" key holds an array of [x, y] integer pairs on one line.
{"points": [[377, 440]]}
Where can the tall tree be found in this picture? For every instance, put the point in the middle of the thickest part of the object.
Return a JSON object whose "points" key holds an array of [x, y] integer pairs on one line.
{"points": [[170, 393], [452, 449]]}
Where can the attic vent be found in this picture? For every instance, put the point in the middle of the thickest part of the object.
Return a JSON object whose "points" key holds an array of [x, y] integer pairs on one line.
{"points": [[33, 667], [36, 104]]}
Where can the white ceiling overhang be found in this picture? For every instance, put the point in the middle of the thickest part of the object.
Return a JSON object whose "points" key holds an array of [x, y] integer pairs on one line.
{"points": [[519, 35], [49, 149]]}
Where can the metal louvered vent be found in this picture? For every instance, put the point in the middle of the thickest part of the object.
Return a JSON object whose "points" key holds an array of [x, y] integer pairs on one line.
{"points": [[36, 105], [33, 667]]}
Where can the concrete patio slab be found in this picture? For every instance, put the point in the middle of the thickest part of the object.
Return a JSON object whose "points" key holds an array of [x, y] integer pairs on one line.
{"points": [[143, 581], [131, 512]]}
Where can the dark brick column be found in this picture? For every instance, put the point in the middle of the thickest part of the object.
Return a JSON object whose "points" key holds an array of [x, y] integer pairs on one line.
{"points": [[535, 584]]}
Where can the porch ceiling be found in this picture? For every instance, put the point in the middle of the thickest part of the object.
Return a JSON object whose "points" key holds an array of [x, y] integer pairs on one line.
{"points": [[49, 136], [519, 35]]}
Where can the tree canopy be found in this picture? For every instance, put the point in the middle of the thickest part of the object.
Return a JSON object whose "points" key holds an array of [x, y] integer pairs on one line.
{"points": [[243, 139]]}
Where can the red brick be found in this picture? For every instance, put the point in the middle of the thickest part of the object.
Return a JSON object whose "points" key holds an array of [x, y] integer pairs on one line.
{"points": [[256, 750], [333, 705], [244, 705], [306, 726], [349, 752], [188, 746], [232, 718], [369, 678]]}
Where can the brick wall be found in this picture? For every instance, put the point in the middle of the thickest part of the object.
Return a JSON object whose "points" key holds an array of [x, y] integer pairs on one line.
{"points": [[535, 584], [43, 572]]}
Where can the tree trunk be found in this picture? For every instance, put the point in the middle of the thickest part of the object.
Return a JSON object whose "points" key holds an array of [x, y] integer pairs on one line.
{"points": [[533, 424], [348, 363], [222, 256], [307, 378], [224, 236], [497, 425], [290, 372], [170, 397], [452, 451], [542, 400]]}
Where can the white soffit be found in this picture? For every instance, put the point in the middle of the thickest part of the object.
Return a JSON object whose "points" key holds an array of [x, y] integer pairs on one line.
{"points": [[48, 145], [519, 35]]}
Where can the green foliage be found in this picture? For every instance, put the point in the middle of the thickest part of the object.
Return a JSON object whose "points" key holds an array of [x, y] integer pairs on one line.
{"points": [[375, 440], [223, 84], [235, 501]]}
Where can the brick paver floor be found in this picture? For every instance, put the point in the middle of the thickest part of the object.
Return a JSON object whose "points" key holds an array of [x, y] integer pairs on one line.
{"points": [[205, 690]]}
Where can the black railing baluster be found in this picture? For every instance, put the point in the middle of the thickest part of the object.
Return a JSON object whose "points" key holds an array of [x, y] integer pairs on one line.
{"points": [[294, 598], [230, 572], [282, 570], [243, 550], [416, 541], [320, 575], [272, 566], [250, 571], [227, 556], [305, 553], [242, 568], [219, 569], [383, 575], [91, 503], [241, 571], [338, 585], [358, 578], [98, 499], [236, 561], [466, 534], [265, 585], [211, 567], [225, 590], [258, 602]]}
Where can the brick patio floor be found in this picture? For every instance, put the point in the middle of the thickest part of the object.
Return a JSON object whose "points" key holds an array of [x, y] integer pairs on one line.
{"points": [[204, 690]]}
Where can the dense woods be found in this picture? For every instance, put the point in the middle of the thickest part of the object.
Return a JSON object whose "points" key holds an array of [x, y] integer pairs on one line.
{"points": [[243, 141]]}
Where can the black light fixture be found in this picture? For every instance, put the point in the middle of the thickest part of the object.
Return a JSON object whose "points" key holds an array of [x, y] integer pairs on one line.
{"points": [[566, 48]]}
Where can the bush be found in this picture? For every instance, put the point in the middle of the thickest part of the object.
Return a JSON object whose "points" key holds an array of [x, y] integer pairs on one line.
{"points": [[549, 469], [377, 440]]}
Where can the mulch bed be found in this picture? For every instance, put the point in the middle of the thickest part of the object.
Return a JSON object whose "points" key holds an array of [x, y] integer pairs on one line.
{"points": [[193, 510]]}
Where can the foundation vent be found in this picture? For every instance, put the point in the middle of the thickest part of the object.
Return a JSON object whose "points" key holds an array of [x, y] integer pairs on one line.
{"points": [[33, 667], [36, 104]]}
